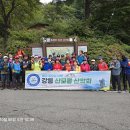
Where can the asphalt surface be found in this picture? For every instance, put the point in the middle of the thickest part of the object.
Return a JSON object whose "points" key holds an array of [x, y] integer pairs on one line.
{"points": [[64, 110]]}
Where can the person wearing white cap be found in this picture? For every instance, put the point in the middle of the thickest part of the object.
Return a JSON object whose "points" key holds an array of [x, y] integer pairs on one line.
{"points": [[5, 72], [32, 59], [93, 66]]}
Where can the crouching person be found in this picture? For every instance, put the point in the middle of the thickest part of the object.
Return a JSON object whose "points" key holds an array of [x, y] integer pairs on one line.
{"points": [[16, 69], [5, 73]]}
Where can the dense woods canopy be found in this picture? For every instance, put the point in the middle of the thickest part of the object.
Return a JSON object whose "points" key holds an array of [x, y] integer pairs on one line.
{"points": [[102, 23]]}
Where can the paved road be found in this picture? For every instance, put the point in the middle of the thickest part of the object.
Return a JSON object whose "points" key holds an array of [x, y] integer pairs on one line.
{"points": [[64, 110]]}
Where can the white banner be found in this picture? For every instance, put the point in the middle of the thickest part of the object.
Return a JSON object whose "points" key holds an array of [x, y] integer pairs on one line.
{"points": [[93, 80]]}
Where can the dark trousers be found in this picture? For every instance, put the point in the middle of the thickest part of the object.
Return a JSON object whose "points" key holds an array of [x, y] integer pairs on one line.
{"points": [[10, 77], [5, 80], [124, 76], [23, 76], [116, 79], [16, 79], [0, 75], [128, 79]]}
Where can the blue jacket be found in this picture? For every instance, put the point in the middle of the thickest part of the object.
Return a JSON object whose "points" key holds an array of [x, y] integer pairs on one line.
{"points": [[117, 68], [128, 68], [80, 59], [125, 66], [1, 64], [5, 67], [47, 66], [16, 67], [63, 62]]}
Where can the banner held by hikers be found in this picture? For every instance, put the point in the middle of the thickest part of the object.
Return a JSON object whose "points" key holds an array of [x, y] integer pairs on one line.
{"points": [[95, 80]]}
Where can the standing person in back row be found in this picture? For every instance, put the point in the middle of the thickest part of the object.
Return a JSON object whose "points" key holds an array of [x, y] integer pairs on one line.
{"points": [[20, 52], [5, 73], [26, 65], [124, 64], [87, 57], [16, 70], [128, 73], [1, 61], [102, 65], [81, 57], [115, 72]]}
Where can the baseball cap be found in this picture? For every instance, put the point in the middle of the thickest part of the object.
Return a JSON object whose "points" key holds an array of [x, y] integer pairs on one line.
{"points": [[5, 57], [93, 60], [36, 56], [16, 57]]}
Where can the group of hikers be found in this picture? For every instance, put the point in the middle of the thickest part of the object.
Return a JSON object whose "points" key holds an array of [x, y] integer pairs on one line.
{"points": [[13, 68]]}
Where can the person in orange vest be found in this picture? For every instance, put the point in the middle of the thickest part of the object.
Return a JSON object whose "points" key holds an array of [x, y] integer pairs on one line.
{"points": [[102, 65], [68, 66], [20, 52]]}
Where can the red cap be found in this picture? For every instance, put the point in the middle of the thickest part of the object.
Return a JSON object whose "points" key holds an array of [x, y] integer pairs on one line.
{"points": [[16, 57]]}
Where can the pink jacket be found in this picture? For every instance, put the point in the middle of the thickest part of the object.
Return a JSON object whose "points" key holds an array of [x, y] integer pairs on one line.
{"points": [[85, 67]]}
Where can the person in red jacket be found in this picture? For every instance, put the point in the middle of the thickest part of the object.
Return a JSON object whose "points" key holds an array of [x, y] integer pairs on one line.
{"points": [[57, 65], [85, 66], [102, 66]]}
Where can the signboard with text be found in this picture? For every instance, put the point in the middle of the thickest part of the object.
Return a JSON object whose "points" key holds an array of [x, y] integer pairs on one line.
{"points": [[37, 51], [49, 40], [59, 50], [93, 80], [83, 48]]}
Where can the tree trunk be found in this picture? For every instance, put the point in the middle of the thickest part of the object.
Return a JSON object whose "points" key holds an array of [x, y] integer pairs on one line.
{"points": [[5, 42], [87, 9], [5, 37]]}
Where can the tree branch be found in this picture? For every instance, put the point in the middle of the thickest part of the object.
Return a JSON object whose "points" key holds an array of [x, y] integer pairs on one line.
{"points": [[2, 9], [11, 10]]}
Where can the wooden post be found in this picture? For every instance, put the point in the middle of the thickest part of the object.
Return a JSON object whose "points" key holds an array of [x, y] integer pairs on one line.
{"points": [[44, 49]]}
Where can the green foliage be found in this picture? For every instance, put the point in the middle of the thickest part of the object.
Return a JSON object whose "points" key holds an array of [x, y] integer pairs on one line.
{"points": [[112, 17], [107, 47], [105, 33], [12, 46], [24, 38]]}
